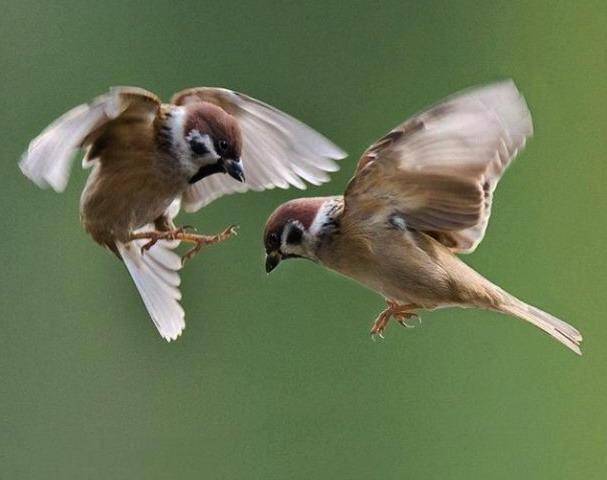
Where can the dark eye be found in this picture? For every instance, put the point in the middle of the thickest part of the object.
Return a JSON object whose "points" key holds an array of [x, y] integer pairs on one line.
{"points": [[273, 240], [223, 145], [294, 236]]}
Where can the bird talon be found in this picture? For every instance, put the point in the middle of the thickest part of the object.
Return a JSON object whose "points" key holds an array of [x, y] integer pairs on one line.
{"points": [[377, 330], [402, 319], [145, 247], [403, 323], [202, 240], [190, 253], [401, 314], [232, 230], [376, 335], [183, 234]]}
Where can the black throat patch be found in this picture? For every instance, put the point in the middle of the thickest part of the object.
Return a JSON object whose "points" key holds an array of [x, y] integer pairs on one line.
{"points": [[206, 171]]}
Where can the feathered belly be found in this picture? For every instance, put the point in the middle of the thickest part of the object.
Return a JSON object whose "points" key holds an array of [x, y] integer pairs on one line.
{"points": [[111, 208], [395, 267]]}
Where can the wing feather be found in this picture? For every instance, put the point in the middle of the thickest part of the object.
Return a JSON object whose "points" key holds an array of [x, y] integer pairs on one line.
{"points": [[48, 159], [278, 150], [438, 170]]}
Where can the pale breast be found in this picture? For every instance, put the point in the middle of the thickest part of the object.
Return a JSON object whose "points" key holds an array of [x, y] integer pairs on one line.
{"points": [[391, 262]]}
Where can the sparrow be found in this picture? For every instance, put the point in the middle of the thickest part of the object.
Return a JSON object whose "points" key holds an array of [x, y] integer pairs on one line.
{"points": [[149, 158], [420, 195]]}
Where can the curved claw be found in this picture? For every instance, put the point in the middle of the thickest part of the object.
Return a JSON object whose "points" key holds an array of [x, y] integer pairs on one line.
{"points": [[376, 335], [190, 253], [400, 312], [380, 323], [202, 240], [402, 319], [146, 246]]}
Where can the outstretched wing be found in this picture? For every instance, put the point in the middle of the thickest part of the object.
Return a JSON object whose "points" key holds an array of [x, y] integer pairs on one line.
{"points": [[278, 150], [437, 171], [48, 159]]}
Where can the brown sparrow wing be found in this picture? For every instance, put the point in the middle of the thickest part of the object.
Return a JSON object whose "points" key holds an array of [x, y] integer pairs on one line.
{"points": [[278, 150], [437, 171], [48, 159]]}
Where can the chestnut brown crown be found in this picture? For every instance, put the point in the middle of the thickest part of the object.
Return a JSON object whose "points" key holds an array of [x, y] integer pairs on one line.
{"points": [[221, 127], [287, 232], [215, 140], [302, 210]]}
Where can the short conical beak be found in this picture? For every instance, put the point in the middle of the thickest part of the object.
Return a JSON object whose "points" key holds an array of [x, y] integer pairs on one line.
{"points": [[272, 261], [234, 169]]}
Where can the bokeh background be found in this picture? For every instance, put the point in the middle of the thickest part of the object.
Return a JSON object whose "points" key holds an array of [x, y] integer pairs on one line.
{"points": [[276, 377]]}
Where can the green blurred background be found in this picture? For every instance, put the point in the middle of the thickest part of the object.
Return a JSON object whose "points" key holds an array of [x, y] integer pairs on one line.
{"points": [[276, 377]]}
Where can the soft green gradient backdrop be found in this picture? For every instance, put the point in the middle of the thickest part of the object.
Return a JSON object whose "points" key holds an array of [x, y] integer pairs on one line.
{"points": [[275, 377]]}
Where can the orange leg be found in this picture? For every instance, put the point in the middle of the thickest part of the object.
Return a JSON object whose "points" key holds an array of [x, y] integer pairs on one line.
{"points": [[182, 234], [401, 313]]}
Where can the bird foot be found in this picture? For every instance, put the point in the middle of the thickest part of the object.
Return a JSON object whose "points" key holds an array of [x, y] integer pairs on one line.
{"points": [[183, 234], [154, 236], [401, 313], [201, 240]]}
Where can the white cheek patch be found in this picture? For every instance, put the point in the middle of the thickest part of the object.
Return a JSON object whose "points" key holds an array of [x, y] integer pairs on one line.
{"points": [[322, 219], [199, 137], [175, 123], [190, 163], [306, 245], [181, 147], [287, 247], [206, 158], [210, 147]]}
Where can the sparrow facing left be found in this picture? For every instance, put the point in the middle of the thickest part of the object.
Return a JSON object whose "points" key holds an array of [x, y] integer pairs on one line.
{"points": [[149, 157], [420, 195]]}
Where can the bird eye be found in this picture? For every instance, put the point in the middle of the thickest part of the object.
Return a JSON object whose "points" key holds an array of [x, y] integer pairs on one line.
{"points": [[223, 145], [273, 240]]}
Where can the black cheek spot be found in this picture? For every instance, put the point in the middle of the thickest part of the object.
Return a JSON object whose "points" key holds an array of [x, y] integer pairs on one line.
{"points": [[198, 147], [294, 236]]}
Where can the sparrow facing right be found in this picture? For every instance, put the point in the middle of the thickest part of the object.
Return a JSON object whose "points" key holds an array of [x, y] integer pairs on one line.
{"points": [[420, 195], [149, 157]]}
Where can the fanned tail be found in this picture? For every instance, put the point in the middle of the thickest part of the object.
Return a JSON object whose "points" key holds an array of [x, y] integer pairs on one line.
{"points": [[156, 276]]}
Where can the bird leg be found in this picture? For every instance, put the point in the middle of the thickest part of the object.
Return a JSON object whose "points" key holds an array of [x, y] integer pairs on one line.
{"points": [[400, 312], [183, 234], [200, 240], [154, 236]]}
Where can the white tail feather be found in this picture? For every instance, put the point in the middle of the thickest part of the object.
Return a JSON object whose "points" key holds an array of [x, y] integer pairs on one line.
{"points": [[156, 276]]}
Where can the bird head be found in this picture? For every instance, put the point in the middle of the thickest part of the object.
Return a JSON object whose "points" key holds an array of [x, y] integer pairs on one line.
{"points": [[295, 229], [214, 141]]}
